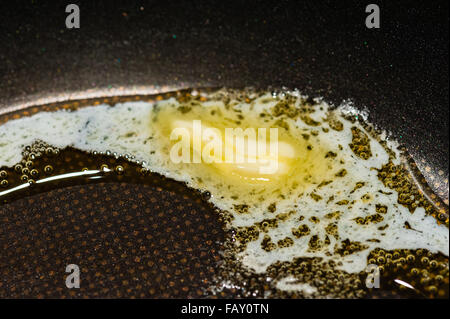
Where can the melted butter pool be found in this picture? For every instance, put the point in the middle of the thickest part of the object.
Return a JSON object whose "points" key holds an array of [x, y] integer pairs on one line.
{"points": [[339, 202]]}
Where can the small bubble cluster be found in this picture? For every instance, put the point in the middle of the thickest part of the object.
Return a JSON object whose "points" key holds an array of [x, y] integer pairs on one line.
{"points": [[397, 178], [360, 144], [428, 273]]}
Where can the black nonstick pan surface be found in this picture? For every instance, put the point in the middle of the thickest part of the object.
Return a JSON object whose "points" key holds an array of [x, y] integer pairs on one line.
{"points": [[398, 72]]}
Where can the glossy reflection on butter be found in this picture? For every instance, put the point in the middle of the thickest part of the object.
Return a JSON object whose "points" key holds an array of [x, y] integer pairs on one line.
{"points": [[250, 153]]}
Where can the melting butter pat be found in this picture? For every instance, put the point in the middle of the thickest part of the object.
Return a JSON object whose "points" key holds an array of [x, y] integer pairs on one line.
{"points": [[253, 154]]}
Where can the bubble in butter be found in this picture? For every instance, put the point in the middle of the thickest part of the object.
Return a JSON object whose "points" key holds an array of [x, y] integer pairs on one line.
{"points": [[328, 191]]}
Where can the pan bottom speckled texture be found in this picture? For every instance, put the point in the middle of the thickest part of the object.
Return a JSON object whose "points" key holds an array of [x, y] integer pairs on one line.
{"points": [[133, 241]]}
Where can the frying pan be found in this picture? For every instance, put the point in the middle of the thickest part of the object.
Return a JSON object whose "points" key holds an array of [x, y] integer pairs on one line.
{"points": [[399, 73]]}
